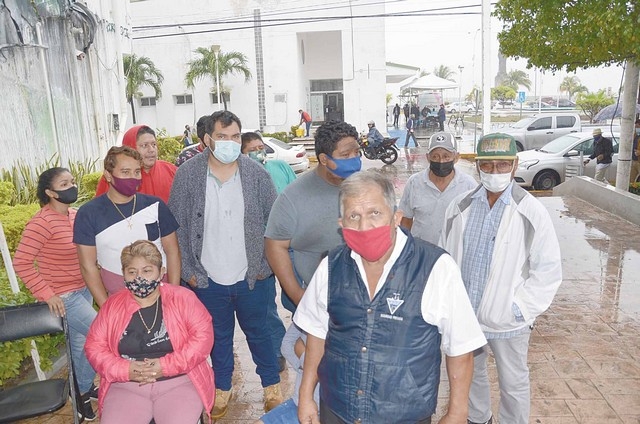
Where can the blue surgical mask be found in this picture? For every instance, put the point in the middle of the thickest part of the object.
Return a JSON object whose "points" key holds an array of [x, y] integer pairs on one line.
{"points": [[346, 167], [226, 151]]}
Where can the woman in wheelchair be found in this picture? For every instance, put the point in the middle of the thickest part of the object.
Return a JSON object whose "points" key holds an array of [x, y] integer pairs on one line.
{"points": [[47, 262], [150, 345]]}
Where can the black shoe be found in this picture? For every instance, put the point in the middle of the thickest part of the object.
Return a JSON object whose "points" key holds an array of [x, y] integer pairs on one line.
{"points": [[282, 363], [489, 421], [93, 392], [85, 408]]}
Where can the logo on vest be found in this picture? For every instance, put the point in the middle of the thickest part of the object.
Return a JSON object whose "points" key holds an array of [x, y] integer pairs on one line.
{"points": [[393, 303]]}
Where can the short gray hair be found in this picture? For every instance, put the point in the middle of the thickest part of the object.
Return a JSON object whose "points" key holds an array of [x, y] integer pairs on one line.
{"points": [[358, 183]]}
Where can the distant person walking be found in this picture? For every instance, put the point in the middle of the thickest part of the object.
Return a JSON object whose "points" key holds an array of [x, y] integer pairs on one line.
{"points": [[411, 124], [187, 140], [396, 115], [602, 152], [442, 116], [405, 109], [304, 117]]}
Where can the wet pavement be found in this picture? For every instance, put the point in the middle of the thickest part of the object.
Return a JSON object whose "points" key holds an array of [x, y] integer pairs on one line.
{"points": [[584, 353]]}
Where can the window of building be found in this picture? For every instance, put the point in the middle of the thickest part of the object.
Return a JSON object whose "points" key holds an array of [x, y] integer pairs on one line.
{"points": [[183, 99], [226, 97], [326, 85], [147, 101]]}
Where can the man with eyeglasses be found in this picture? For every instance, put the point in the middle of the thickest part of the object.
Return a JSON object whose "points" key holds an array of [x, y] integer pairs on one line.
{"points": [[505, 244], [222, 201]]}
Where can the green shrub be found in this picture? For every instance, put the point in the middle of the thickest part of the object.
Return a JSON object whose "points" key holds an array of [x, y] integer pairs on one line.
{"points": [[6, 192], [282, 136], [14, 353], [169, 148], [14, 219], [88, 186]]}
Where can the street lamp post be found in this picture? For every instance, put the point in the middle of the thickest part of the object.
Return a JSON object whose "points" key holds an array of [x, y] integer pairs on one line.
{"points": [[460, 68], [216, 51]]}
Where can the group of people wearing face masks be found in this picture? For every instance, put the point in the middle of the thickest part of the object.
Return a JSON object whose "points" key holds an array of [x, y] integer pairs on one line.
{"points": [[334, 231]]}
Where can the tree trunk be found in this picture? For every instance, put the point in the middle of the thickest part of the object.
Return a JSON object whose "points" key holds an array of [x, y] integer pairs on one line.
{"points": [[133, 113], [631, 76]]}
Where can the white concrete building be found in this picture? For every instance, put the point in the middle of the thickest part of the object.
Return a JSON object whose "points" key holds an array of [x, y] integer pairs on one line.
{"points": [[326, 59], [61, 80]]}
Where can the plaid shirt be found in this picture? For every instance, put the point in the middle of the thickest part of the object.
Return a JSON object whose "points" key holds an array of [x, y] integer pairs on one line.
{"points": [[479, 240]]}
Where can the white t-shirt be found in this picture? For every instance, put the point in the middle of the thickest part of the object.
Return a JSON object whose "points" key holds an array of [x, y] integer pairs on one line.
{"points": [[445, 303]]}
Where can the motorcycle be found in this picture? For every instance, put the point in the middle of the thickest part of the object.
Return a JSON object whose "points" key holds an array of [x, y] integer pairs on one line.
{"points": [[387, 151]]}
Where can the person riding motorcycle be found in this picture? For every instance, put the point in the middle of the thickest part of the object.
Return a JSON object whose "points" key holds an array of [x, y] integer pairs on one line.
{"points": [[374, 137]]}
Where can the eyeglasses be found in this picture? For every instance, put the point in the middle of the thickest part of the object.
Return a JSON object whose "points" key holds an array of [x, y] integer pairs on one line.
{"points": [[502, 166]]}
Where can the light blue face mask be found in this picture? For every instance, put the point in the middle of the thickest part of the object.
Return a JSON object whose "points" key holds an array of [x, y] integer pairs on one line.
{"points": [[226, 151]]}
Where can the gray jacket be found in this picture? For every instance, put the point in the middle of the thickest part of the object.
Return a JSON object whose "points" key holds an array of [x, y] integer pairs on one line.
{"points": [[187, 203]]}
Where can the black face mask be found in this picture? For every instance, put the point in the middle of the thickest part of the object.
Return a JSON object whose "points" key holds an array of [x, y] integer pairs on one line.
{"points": [[67, 196], [441, 169]]}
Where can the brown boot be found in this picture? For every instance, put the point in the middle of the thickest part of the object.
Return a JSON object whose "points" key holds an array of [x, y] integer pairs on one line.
{"points": [[221, 403], [272, 397]]}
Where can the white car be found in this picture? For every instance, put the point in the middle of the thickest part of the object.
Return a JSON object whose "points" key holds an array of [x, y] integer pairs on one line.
{"points": [[294, 154], [550, 165], [454, 107]]}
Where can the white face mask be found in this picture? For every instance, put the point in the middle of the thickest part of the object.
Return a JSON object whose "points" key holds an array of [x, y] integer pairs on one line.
{"points": [[495, 183]]}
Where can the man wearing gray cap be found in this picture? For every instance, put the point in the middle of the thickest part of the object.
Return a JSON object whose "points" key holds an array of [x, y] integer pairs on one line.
{"points": [[428, 193], [602, 152]]}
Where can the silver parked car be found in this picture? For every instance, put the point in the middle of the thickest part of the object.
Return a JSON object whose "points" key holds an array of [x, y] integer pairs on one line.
{"points": [[550, 165]]}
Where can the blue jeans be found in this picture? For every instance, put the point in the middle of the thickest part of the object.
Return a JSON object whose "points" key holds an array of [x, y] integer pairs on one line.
{"points": [[80, 315], [308, 125], [274, 323], [225, 303], [285, 413]]}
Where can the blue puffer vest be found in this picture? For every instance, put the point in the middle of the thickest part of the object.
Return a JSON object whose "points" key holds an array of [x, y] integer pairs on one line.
{"points": [[382, 360]]}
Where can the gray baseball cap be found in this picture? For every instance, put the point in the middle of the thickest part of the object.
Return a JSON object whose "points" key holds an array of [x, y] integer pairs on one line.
{"points": [[444, 140]]}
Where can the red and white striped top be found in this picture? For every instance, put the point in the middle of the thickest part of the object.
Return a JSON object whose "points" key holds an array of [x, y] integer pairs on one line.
{"points": [[46, 259]]}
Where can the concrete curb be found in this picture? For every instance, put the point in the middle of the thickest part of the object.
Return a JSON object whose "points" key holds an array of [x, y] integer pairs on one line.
{"points": [[604, 196]]}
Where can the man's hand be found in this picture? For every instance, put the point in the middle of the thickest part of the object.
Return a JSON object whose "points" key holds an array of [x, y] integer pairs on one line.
{"points": [[308, 412], [586, 161]]}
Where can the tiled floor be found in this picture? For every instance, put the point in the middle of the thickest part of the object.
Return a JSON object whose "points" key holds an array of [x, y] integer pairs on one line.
{"points": [[585, 350]]}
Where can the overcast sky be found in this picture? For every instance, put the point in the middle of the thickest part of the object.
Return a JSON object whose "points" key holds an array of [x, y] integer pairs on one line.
{"points": [[429, 41]]}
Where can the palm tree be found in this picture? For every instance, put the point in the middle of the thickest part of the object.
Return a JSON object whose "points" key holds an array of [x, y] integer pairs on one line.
{"points": [[517, 78], [140, 71], [205, 66], [444, 72], [572, 86]]}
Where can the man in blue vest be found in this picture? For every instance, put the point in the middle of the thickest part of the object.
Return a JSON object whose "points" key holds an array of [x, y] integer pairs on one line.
{"points": [[377, 311]]}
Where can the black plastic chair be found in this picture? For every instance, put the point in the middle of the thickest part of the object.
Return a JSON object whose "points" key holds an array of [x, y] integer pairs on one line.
{"points": [[40, 397]]}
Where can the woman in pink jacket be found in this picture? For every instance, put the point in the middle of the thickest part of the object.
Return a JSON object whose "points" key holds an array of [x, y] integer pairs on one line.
{"points": [[150, 346]]}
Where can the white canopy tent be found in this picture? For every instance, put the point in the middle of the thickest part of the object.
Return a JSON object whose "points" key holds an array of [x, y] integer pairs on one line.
{"points": [[428, 82]]}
